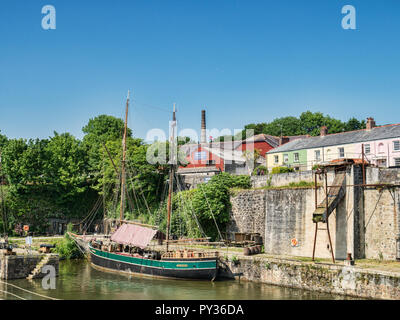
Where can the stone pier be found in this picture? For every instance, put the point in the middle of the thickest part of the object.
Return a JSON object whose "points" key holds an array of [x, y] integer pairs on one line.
{"points": [[21, 266]]}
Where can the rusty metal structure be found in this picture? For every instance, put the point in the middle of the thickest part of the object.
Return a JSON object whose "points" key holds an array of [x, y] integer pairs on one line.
{"points": [[335, 193]]}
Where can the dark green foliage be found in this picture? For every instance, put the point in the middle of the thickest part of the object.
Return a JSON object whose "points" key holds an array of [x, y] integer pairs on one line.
{"points": [[104, 128], [307, 123], [46, 178], [208, 201], [3, 141], [300, 184], [260, 170], [277, 170], [67, 248]]}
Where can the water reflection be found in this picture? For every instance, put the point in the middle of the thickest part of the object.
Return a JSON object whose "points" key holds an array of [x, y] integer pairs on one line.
{"points": [[79, 281]]}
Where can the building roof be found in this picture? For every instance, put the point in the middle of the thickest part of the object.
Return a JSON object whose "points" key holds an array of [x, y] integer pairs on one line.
{"points": [[229, 155], [364, 135], [230, 145], [271, 140], [198, 170]]}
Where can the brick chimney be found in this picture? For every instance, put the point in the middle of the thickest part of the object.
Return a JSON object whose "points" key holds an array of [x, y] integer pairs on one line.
{"points": [[203, 138], [370, 123], [324, 131], [283, 140]]}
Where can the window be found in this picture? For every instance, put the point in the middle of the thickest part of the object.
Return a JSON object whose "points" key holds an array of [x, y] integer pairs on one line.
{"points": [[381, 148], [367, 148], [285, 158], [317, 155], [396, 145], [381, 163], [211, 162], [341, 152], [296, 157], [397, 162], [276, 159]]}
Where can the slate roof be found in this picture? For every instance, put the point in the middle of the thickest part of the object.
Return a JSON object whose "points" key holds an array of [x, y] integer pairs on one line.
{"points": [[230, 145], [377, 133], [271, 140]]}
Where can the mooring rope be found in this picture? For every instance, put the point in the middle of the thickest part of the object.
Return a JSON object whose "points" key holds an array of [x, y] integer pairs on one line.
{"points": [[40, 295], [12, 294]]}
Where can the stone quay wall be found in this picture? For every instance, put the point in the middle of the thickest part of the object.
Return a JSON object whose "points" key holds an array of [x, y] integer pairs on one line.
{"points": [[280, 215], [20, 266], [334, 279], [366, 223], [282, 179]]}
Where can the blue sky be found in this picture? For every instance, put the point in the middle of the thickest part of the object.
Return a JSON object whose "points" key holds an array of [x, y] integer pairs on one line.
{"points": [[243, 61]]}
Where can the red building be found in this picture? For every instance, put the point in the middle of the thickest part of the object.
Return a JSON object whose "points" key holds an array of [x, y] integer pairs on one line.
{"points": [[261, 142], [202, 157]]}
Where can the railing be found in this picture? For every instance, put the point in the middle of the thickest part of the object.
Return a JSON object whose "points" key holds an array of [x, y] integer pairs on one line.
{"points": [[189, 254]]}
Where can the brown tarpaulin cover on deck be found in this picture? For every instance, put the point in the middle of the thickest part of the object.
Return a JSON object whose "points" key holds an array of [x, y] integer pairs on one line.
{"points": [[133, 235]]}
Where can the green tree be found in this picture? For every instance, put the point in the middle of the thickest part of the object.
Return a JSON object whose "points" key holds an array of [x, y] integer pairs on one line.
{"points": [[104, 128], [207, 202], [98, 132], [354, 124], [47, 178], [3, 141], [307, 123]]}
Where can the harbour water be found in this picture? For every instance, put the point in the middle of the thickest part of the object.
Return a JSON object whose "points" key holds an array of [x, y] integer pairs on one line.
{"points": [[79, 281]]}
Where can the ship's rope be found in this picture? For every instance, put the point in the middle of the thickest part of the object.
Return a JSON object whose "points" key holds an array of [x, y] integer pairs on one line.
{"points": [[191, 209], [31, 292], [12, 294], [209, 207]]}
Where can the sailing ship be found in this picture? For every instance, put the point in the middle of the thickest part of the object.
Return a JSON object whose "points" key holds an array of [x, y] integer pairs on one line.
{"points": [[128, 251]]}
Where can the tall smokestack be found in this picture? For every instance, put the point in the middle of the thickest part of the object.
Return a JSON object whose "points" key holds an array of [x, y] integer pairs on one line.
{"points": [[203, 138]]}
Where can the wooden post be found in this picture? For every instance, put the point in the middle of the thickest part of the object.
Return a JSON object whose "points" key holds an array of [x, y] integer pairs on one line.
{"points": [[315, 240], [316, 223], [327, 216], [363, 165]]}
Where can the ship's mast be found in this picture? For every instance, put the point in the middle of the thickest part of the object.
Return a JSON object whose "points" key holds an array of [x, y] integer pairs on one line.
{"points": [[171, 173], [122, 207]]}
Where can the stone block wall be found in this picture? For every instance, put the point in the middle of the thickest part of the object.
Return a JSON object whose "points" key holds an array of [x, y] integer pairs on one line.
{"points": [[283, 179], [248, 212], [280, 215], [334, 279], [20, 266], [366, 222], [381, 223]]}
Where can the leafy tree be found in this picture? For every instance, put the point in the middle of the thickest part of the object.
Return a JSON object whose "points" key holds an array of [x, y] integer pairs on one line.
{"points": [[104, 128], [307, 123], [144, 180], [3, 141], [66, 169], [184, 140], [208, 202], [98, 132], [354, 124], [277, 170], [312, 122], [47, 178], [284, 126]]}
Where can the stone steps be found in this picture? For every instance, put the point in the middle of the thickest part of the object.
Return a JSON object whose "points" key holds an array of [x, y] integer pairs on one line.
{"points": [[38, 267]]}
